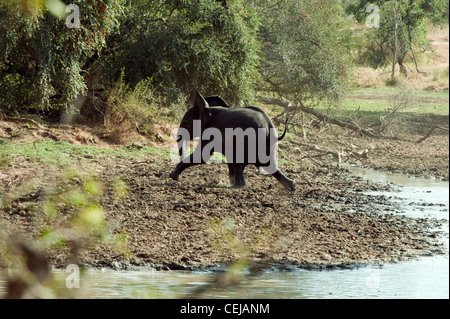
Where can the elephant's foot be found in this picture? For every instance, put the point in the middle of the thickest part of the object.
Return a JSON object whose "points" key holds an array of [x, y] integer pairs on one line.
{"points": [[286, 182], [174, 175], [289, 184], [238, 186]]}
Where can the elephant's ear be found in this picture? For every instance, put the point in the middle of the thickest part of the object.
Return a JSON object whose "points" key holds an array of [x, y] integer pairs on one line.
{"points": [[202, 107], [200, 103]]}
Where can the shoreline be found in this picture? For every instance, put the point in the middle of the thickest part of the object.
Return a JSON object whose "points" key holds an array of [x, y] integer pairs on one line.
{"points": [[198, 223]]}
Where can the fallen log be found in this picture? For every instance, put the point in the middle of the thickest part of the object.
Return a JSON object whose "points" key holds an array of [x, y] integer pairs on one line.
{"points": [[347, 125], [21, 120], [339, 156]]}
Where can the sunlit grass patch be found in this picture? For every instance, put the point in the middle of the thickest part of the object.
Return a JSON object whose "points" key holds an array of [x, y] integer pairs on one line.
{"points": [[64, 154]]}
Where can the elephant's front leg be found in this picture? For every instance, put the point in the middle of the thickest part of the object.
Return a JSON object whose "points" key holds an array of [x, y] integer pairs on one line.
{"points": [[231, 174], [196, 158], [239, 180], [179, 169]]}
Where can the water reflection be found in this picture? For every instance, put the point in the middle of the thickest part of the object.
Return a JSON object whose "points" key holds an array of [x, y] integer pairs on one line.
{"points": [[424, 278]]}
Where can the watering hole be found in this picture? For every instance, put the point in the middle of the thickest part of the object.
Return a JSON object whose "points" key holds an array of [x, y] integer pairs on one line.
{"points": [[426, 277]]}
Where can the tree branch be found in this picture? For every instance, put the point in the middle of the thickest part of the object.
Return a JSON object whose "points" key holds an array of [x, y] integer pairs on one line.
{"points": [[289, 107], [430, 132]]}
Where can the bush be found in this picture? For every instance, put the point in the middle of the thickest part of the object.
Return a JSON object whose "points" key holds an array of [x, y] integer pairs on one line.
{"points": [[395, 81], [131, 109], [42, 61], [187, 46]]}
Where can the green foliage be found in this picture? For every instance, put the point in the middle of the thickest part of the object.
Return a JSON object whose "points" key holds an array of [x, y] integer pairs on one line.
{"points": [[70, 214], [188, 45], [302, 55], [293, 48], [42, 58], [131, 108], [379, 43]]}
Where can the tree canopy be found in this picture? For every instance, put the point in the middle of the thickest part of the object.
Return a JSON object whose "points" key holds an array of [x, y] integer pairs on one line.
{"points": [[302, 56], [42, 58], [189, 45], [401, 30], [294, 49]]}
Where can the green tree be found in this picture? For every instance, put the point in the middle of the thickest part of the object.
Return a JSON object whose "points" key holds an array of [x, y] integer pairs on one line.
{"points": [[302, 56], [402, 30], [42, 61], [187, 46], [178, 46]]}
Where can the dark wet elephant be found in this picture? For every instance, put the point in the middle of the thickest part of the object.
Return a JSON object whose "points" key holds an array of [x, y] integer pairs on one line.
{"points": [[245, 135]]}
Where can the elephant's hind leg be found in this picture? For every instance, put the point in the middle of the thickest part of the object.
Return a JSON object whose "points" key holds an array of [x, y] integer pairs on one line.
{"points": [[286, 182]]}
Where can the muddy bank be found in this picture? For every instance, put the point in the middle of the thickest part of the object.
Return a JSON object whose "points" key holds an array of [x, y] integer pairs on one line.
{"points": [[326, 222], [397, 151], [199, 222]]}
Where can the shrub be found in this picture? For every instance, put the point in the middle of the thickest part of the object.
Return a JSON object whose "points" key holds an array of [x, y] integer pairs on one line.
{"points": [[42, 61], [131, 109]]}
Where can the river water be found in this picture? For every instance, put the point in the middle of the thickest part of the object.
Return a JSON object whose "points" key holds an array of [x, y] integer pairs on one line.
{"points": [[427, 277]]}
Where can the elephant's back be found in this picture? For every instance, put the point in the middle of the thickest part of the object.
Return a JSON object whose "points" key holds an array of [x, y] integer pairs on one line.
{"points": [[248, 116]]}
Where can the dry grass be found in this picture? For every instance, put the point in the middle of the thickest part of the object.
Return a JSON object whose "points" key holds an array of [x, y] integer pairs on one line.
{"points": [[434, 69], [368, 77]]}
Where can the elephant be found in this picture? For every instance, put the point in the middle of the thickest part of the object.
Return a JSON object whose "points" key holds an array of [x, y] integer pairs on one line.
{"points": [[244, 135]]}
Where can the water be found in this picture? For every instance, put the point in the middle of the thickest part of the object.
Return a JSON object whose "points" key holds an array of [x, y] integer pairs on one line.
{"points": [[427, 277], [424, 278], [416, 197]]}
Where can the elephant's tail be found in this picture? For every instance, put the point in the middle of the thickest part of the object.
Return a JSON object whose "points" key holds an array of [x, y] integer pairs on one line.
{"points": [[285, 130]]}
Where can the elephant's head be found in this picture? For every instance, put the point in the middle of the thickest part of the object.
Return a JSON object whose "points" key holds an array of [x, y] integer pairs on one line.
{"points": [[200, 112], [197, 118]]}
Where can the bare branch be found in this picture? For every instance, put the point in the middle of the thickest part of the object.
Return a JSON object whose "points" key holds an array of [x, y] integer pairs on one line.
{"points": [[430, 132]]}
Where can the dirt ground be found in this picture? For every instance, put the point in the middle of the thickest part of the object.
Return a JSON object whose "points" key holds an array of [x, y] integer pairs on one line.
{"points": [[399, 152], [199, 222]]}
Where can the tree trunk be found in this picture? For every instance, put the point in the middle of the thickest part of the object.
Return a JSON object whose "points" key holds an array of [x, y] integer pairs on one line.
{"points": [[394, 59], [401, 63], [402, 52]]}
